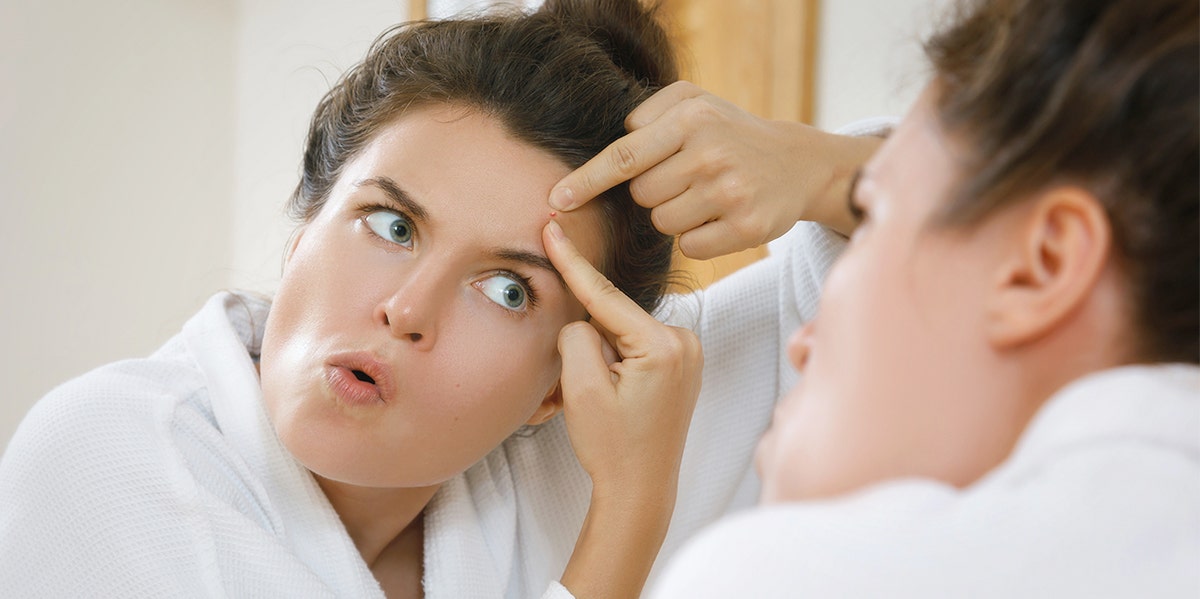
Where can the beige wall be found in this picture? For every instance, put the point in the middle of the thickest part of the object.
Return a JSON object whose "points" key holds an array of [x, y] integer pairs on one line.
{"points": [[114, 181], [869, 59], [147, 147], [288, 54]]}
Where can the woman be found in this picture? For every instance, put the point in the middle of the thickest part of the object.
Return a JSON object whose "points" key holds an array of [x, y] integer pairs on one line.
{"points": [[1001, 396], [355, 435]]}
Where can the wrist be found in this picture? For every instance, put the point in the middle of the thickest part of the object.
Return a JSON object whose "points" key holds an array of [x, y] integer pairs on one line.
{"points": [[846, 156], [618, 544], [649, 501]]}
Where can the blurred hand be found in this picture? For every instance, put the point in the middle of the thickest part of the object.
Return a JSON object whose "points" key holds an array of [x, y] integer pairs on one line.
{"points": [[722, 179]]}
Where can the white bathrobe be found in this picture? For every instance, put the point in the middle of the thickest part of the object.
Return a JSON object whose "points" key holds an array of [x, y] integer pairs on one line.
{"points": [[1100, 498], [162, 477]]}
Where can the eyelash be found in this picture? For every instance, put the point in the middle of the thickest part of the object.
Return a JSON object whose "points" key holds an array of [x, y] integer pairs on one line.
{"points": [[531, 295], [858, 212], [365, 210]]}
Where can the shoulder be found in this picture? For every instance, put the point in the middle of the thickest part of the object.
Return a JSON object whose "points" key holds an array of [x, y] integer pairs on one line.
{"points": [[1118, 434], [93, 479], [122, 410], [119, 404], [104, 439], [815, 549], [122, 482]]}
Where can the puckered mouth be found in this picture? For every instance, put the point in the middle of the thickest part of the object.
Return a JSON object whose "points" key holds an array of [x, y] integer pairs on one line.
{"points": [[365, 368]]}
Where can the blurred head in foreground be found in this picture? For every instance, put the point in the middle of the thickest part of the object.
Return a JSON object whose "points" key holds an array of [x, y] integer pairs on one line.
{"points": [[1032, 220]]}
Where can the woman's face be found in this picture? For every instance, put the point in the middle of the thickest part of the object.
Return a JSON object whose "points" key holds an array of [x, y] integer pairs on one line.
{"points": [[893, 369], [416, 324]]}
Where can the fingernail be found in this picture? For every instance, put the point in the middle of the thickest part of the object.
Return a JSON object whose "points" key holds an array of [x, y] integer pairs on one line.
{"points": [[561, 197], [556, 231]]}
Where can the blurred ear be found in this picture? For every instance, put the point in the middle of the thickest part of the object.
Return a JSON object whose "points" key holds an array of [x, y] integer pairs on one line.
{"points": [[551, 405], [1062, 246]]}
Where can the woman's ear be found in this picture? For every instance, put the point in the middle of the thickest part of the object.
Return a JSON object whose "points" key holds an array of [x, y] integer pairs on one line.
{"points": [[1062, 246], [551, 405]]}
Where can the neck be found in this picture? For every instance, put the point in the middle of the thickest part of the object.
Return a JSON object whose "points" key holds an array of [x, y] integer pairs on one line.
{"points": [[1094, 337], [1019, 380], [376, 518]]}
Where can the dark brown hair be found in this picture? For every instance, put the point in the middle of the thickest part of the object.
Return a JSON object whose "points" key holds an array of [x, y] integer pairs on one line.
{"points": [[562, 79], [1102, 94]]}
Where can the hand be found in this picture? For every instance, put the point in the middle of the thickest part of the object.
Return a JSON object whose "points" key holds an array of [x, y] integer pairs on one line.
{"points": [[627, 412], [627, 415], [722, 179]]}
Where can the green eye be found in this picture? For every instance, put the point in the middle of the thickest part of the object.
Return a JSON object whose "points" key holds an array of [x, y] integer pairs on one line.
{"points": [[391, 226], [505, 291]]}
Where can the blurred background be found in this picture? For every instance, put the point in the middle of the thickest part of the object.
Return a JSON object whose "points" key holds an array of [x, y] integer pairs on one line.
{"points": [[147, 146]]}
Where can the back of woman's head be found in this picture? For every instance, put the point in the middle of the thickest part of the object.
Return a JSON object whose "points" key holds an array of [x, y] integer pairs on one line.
{"points": [[562, 79], [1101, 94]]}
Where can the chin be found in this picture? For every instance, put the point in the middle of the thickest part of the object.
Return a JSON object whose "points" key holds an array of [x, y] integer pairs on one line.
{"points": [[372, 467], [360, 475]]}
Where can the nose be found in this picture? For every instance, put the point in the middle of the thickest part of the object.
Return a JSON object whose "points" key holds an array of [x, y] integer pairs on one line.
{"points": [[799, 345], [411, 311]]}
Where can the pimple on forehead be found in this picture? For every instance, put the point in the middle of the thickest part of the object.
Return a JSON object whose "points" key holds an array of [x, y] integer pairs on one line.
{"points": [[583, 227]]}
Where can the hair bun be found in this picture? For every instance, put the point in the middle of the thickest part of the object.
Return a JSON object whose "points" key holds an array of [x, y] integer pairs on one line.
{"points": [[627, 30]]}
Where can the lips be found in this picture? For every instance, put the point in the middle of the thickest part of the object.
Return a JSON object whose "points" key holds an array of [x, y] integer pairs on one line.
{"points": [[359, 379]]}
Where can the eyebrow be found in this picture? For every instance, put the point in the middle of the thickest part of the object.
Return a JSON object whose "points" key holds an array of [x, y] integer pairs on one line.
{"points": [[418, 213], [399, 196], [530, 259], [855, 210]]}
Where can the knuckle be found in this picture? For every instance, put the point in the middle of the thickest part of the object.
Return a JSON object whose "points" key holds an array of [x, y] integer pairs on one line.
{"points": [[624, 160], [735, 191], [670, 348], [639, 189], [585, 178], [572, 331], [602, 291], [682, 86], [689, 112], [685, 343], [659, 219], [592, 180], [760, 232], [636, 120], [717, 156], [688, 246], [697, 113], [608, 292], [693, 352], [689, 340], [737, 195], [716, 159], [742, 229]]}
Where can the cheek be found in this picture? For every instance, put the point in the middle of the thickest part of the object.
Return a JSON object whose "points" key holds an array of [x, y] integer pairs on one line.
{"points": [[325, 290], [874, 322], [815, 445], [503, 368], [782, 454]]}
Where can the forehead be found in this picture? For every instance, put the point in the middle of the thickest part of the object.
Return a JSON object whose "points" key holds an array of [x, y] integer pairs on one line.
{"points": [[918, 157], [472, 177], [445, 150]]}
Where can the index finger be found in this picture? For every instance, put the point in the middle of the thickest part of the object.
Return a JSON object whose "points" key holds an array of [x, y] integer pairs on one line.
{"points": [[624, 159], [609, 306], [660, 102]]}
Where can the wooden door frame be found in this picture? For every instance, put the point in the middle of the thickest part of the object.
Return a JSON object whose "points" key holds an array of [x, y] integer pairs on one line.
{"points": [[418, 9]]}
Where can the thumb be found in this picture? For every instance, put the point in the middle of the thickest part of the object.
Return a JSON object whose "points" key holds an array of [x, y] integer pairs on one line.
{"points": [[585, 371]]}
